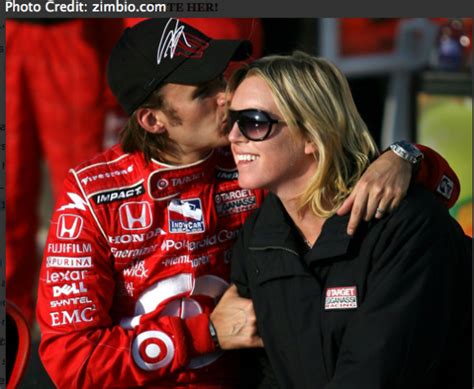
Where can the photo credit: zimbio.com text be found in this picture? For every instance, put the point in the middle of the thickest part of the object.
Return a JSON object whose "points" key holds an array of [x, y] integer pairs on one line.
{"points": [[101, 6]]}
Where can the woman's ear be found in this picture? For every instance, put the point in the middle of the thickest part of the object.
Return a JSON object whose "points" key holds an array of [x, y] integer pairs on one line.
{"points": [[148, 119], [310, 147]]}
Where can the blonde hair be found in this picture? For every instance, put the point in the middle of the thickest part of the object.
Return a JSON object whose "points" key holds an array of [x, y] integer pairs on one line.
{"points": [[315, 101]]}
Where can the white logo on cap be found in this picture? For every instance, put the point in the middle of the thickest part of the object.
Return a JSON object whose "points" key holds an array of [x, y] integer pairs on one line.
{"points": [[169, 41]]}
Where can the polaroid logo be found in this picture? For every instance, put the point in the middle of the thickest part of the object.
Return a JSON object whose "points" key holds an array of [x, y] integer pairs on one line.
{"points": [[69, 227], [445, 187], [69, 248], [103, 176], [136, 238], [344, 297], [185, 216], [62, 318], [236, 201], [68, 289], [118, 194], [69, 262], [135, 215], [221, 237], [68, 275], [70, 301]]}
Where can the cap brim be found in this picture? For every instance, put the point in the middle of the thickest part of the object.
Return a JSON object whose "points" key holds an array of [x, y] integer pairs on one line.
{"points": [[212, 64]]}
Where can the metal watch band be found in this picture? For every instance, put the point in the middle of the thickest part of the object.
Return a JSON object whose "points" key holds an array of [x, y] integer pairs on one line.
{"points": [[213, 332], [407, 151]]}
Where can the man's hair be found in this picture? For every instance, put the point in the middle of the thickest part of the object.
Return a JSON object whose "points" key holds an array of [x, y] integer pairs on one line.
{"points": [[134, 138], [315, 101]]}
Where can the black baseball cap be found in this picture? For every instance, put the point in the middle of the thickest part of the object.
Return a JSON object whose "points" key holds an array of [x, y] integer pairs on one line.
{"points": [[158, 51]]}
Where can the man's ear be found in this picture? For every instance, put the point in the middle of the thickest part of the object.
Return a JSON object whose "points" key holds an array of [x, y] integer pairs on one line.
{"points": [[148, 119]]}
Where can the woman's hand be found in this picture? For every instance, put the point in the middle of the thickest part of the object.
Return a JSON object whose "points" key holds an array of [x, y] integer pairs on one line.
{"points": [[379, 191]]}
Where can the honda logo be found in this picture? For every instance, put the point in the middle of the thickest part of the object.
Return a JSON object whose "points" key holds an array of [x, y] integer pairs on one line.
{"points": [[135, 215], [69, 227]]}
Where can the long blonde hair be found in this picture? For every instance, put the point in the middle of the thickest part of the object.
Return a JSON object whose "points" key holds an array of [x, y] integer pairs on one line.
{"points": [[315, 101]]}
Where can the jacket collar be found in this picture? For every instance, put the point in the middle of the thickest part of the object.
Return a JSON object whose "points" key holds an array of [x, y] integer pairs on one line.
{"points": [[275, 229]]}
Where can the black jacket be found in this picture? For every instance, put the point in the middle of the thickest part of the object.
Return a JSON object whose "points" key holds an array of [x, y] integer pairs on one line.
{"points": [[389, 308]]}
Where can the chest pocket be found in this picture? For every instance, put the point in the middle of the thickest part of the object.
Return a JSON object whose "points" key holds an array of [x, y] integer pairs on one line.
{"points": [[273, 265], [284, 289]]}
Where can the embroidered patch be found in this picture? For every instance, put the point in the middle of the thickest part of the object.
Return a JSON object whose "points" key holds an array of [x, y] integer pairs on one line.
{"points": [[445, 187], [343, 297]]}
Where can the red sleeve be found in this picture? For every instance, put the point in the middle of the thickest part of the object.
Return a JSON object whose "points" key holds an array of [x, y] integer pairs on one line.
{"points": [[81, 346], [436, 175]]}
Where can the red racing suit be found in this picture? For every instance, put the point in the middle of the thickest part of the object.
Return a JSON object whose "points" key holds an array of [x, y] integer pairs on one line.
{"points": [[136, 258]]}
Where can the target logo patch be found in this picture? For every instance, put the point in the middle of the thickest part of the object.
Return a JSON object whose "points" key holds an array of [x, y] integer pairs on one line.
{"points": [[344, 297], [152, 350]]}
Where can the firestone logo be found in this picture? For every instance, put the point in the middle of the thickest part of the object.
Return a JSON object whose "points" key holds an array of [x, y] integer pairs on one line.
{"points": [[102, 176]]}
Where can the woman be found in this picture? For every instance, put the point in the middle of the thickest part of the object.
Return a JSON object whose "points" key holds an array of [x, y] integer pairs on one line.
{"points": [[385, 308]]}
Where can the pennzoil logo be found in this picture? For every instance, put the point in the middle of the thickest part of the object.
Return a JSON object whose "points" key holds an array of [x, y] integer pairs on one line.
{"points": [[69, 226]]}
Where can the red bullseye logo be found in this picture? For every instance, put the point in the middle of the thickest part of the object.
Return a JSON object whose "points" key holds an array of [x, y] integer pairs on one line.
{"points": [[152, 350]]}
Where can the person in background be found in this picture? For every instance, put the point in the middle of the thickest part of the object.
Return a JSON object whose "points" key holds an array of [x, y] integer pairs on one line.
{"points": [[138, 252], [386, 307], [55, 91]]}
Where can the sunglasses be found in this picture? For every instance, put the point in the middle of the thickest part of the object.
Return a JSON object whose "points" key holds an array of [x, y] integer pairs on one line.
{"points": [[254, 124]]}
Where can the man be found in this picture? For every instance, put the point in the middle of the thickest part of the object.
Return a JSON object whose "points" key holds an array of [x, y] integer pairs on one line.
{"points": [[138, 251]]}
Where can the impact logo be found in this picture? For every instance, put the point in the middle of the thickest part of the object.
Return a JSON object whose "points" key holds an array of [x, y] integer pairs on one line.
{"points": [[185, 216]]}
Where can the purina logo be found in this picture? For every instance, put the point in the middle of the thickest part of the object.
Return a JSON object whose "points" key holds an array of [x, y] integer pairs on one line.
{"points": [[69, 227], [135, 215], [185, 216]]}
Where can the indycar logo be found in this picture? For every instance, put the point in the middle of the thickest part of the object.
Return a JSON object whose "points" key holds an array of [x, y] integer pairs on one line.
{"points": [[135, 215], [185, 216], [69, 227]]}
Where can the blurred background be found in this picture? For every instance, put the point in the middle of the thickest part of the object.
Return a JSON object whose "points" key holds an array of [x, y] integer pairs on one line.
{"points": [[411, 79]]}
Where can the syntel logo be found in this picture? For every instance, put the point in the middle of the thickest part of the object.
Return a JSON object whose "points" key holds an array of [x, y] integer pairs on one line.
{"points": [[135, 215], [69, 227]]}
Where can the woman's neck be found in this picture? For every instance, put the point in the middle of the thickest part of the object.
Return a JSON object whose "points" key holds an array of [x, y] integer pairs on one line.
{"points": [[308, 224]]}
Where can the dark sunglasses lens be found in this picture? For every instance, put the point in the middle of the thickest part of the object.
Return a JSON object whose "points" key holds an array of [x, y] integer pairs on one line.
{"points": [[254, 125]]}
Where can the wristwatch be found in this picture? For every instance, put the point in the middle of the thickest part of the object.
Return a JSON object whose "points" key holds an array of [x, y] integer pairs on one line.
{"points": [[407, 151], [213, 332]]}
